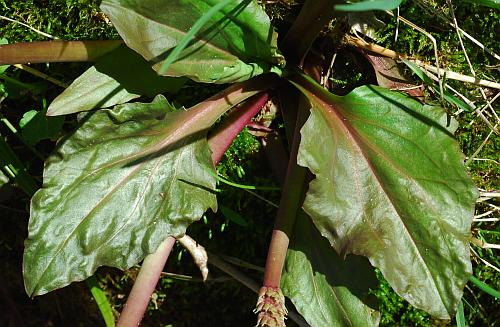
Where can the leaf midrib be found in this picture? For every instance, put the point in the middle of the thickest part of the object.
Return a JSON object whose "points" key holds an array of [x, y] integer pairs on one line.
{"points": [[356, 143]]}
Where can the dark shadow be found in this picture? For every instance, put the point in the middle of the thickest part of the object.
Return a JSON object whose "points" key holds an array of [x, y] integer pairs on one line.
{"points": [[82, 118], [133, 72], [354, 272], [184, 141], [198, 186]]}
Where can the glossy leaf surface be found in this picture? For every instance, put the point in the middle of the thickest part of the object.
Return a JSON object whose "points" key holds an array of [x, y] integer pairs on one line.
{"points": [[118, 77], [114, 190], [326, 289], [390, 185], [236, 43]]}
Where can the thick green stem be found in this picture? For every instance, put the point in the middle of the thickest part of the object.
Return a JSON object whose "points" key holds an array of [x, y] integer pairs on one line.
{"points": [[55, 51]]}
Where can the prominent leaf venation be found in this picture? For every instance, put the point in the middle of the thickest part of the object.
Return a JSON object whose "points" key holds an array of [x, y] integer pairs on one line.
{"points": [[413, 202], [106, 203]]}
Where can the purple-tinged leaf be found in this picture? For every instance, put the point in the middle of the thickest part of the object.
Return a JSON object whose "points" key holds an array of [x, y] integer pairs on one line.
{"points": [[390, 185], [326, 289], [123, 182]]}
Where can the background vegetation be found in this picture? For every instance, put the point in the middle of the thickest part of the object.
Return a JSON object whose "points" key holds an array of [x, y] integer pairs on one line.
{"points": [[243, 230]]}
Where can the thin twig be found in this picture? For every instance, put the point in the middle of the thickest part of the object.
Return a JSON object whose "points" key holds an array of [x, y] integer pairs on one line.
{"points": [[479, 148], [476, 110], [242, 263], [432, 12], [484, 214], [483, 94], [30, 27], [187, 278], [485, 262], [398, 56], [492, 194], [433, 40], [486, 220], [486, 105], [38, 73], [487, 159], [260, 197]]}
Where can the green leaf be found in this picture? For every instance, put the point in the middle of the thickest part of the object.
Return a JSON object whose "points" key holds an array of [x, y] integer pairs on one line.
{"points": [[235, 44], [326, 289], [489, 3], [369, 5], [118, 77], [4, 179], [233, 216], [36, 126], [115, 189], [390, 185]]}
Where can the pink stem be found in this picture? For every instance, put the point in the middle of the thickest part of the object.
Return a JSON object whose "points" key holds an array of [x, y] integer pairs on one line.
{"points": [[55, 51], [153, 264], [145, 284], [220, 140]]}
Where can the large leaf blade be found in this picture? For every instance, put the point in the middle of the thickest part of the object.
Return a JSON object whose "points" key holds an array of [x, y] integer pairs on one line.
{"points": [[236, 44], [326, 289], [108, 199], [390, 185]]}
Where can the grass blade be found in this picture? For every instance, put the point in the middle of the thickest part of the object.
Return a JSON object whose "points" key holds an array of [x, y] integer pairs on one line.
{"points": [[101, 301], [189, 36], [485, 288], [14, 168], [460, 316], [369, 5], [488, 3]]}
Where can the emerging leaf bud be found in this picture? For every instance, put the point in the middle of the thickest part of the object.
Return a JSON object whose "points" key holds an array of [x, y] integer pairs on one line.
{"points": [[270, 307]]}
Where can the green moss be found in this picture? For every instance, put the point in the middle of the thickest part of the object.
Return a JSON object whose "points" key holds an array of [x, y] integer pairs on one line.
{"points": [[67, 20]]}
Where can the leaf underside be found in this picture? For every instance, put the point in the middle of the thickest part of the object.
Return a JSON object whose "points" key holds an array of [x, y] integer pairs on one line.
{"points": [[236, 44], [390, 185], [326, 289], [108, 199]]}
